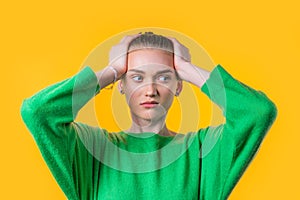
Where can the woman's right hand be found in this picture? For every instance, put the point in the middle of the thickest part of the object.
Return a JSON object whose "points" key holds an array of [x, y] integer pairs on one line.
{"points": [[118, 54]]}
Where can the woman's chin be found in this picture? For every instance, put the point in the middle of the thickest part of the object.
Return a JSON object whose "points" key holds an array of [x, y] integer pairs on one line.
{"points": [[149, 117]]}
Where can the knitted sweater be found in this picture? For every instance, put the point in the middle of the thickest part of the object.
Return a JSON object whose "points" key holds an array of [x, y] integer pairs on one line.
{"points": [[91, 163]]}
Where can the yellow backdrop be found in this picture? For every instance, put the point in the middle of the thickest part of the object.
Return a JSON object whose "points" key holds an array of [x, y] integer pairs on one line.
{"points": [[45, 42]]}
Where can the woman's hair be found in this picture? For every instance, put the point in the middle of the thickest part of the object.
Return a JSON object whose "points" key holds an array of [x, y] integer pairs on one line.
{"points": [[151, 40]]}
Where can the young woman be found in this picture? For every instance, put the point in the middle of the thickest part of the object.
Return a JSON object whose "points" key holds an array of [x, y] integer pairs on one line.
{"points": [[148, 161]]}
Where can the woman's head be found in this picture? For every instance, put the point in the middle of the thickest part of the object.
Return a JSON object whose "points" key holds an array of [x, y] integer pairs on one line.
{"points": [[151, 40], [151, 81]]}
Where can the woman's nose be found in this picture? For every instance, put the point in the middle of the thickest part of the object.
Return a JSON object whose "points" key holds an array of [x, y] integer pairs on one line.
{"points": [[151, 89]]}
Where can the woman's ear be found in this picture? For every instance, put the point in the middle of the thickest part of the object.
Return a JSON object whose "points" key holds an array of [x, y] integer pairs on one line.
{"points": [[120, 86], [179, 88]]}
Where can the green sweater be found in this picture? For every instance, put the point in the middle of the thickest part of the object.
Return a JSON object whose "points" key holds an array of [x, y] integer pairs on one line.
{"points": [[91, 163]]}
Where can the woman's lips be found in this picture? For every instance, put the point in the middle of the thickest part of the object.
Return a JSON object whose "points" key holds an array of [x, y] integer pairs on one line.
{"points": [[149, 104]]}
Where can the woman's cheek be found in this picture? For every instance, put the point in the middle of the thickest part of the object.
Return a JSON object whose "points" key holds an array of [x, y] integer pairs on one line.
{"points": [[132, 95], [168, 90]]}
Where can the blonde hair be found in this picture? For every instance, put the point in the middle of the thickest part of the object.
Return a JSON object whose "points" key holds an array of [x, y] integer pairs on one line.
{"points": [[151, 40]]}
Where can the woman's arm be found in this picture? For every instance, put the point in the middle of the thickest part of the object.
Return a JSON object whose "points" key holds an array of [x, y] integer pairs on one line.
{"points": [[227, 150], [49, 115]]}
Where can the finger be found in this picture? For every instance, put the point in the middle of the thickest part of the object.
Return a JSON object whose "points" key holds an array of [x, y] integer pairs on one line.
{"points": [[171, 38], [177, 45], [128, 38], [180, 50]]}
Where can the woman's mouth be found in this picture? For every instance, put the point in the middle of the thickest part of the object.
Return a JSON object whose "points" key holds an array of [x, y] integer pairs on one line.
{"points": [[149, 104]]}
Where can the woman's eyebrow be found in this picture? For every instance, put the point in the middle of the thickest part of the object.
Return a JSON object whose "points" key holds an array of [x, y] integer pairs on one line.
{"points": [[159, 72], [136, 70], [164, 71]]}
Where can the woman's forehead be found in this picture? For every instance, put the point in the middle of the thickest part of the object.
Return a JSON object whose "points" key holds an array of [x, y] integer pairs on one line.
{"points": [[152, 69], [150, 58]]}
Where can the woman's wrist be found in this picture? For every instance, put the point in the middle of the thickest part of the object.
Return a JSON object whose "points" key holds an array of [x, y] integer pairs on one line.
{"points": [[194, 74], [115, 73], [120, 71], [108, 75]]}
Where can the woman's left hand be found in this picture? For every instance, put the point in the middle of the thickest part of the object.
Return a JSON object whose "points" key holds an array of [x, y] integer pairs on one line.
{"points": [[182, 58], [185, 69]]}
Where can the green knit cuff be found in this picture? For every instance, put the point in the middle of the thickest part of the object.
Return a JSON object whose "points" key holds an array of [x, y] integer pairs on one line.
{"points": [[214, 86], [89, 78]]}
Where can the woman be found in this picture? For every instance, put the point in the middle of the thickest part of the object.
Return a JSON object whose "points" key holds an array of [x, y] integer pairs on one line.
{"points": [[148, 161]]}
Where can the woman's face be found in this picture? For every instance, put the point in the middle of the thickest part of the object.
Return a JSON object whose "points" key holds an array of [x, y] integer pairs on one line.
{"points": [[150, 83]]}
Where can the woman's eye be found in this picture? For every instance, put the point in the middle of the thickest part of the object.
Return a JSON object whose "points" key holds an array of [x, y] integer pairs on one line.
{"points": [[137, 78], [163, 78]]}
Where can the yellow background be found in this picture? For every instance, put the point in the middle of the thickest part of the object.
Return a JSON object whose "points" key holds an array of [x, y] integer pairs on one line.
{"points": [[256, 41]]}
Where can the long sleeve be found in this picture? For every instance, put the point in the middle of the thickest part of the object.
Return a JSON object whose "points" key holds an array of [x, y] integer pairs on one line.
{"points": [[49, 115], [228, 149]]}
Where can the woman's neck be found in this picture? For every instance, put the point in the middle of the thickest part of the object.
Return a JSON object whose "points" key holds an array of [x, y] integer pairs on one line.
{"points": [[153, 126]]}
